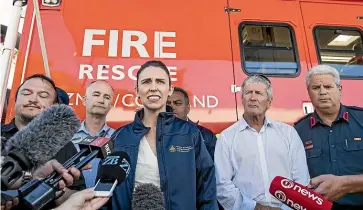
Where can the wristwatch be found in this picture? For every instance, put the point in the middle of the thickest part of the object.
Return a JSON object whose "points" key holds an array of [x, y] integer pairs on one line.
{"points": [[27, 176]]}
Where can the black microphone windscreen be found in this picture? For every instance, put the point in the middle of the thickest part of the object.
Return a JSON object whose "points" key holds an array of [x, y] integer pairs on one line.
{"points": [[68, 151], [115, 166], [45, 135], [147, 196]]}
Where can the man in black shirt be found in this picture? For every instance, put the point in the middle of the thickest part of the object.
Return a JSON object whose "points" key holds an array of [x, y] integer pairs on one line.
{"points": [[7, 131], [35, 94]]}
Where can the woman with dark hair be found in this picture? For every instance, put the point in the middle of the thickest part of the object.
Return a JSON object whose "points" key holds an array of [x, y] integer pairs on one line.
{"points": [[164, 150]]}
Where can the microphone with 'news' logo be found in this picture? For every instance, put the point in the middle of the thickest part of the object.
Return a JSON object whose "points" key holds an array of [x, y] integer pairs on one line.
{"points": [[297, 196]]}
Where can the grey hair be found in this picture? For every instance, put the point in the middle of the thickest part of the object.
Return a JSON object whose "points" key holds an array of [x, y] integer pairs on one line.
{"points": [[258, 79], [323, 70]]}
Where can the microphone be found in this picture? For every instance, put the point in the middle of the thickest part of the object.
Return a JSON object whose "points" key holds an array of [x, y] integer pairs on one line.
{"points": [[115, 167], [113, 170], [147, 196], [66, 152], [36, 194], [38, 142], [89, 145], [101, 144], [297, 196]]}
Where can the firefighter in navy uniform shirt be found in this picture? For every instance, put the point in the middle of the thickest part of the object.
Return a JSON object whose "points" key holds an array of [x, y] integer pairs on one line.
{"points": [[333, 140]]}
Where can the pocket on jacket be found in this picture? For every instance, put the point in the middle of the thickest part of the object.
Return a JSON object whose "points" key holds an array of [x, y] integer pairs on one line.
{"points": [[314, 160], [353, 151]]}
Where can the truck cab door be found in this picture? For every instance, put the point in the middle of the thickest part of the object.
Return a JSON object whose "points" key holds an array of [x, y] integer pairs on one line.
{"points": [[268, 40], [335, 38]]}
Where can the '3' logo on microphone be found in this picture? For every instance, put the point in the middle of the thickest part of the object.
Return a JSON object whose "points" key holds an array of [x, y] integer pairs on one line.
{"points": [[287, 183], [280, 195]]}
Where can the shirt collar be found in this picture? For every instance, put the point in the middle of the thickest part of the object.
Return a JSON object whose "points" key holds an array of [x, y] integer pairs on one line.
{"points": [[342, 116], [243, 124], [84, 129], [343, 113]]}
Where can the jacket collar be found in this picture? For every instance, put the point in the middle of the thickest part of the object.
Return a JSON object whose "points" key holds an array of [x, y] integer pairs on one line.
{"points": [[9, 127], [342, 116], [189, 120], [139, 127]]}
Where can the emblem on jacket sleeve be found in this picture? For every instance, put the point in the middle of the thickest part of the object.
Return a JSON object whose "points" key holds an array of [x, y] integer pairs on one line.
{"points": [[309, 145]]}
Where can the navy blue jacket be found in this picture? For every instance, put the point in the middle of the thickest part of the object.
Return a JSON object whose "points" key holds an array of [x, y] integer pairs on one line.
{"points": [[209, 138], [187, 176]]}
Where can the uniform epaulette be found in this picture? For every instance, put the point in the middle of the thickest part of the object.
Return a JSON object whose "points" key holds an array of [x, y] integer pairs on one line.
{"points": [[355, 108], [303, 118]]}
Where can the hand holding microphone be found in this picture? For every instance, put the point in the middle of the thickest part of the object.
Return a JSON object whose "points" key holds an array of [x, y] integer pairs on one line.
{"points": [[68, 177], [297, 196], [84, 200], [330, 186], [37, 143], [113, 170], [37, 194]]}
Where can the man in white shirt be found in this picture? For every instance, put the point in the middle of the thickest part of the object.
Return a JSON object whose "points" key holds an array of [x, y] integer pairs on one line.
{"points": [[254, 150]]}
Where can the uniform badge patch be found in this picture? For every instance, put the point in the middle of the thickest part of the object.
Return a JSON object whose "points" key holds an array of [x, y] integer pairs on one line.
{"points": [[309, 145]]}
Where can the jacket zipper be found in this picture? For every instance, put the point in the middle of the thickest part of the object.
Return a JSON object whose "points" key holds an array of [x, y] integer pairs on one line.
{"points": [[134, 170], [160, 136]]}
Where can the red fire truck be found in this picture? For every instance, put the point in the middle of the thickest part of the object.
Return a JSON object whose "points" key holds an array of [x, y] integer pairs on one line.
{"points": [[210, 47]]}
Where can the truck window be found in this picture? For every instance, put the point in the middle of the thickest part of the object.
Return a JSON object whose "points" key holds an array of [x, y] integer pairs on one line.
{"points": [[269, 49], [341, 48]]}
